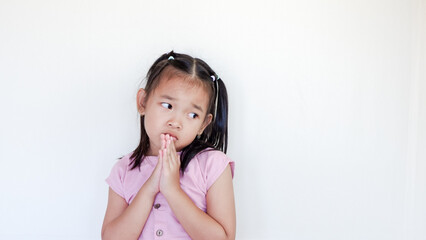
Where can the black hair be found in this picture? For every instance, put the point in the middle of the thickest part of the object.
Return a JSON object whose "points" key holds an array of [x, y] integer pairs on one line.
{"points": [[215, 135]]}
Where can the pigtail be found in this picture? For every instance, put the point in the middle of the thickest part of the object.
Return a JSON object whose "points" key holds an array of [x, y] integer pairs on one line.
{"points": [[219, 130]]}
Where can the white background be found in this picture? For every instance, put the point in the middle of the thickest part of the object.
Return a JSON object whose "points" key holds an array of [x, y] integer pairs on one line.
{"points": [[327, 110]]}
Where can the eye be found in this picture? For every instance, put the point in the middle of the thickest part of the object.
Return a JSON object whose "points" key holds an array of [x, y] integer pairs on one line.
{"points": [[193, 115], [166, 105]]}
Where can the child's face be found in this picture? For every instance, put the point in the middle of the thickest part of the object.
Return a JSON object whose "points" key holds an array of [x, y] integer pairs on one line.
{"points": [[177, 107]]}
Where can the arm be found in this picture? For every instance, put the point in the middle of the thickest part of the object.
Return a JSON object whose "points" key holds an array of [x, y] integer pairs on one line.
{"points": [[123, 221], [219, 221]]}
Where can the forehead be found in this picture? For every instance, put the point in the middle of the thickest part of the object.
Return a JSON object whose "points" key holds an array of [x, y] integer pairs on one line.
{"points": [[183, 89]]}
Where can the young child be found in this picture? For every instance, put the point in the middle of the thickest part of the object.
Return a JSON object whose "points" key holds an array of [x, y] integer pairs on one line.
{"points": [[177, 184]]}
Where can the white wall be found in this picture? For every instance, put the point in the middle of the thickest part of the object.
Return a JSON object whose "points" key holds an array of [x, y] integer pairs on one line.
{"points": [[327, 119]]}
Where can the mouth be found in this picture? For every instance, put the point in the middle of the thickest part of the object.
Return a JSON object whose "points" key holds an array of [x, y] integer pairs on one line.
{"points": [[172, 136]]}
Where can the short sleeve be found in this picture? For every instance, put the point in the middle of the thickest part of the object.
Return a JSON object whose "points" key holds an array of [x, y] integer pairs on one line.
{"points": [[213, 163], [116, 178]]}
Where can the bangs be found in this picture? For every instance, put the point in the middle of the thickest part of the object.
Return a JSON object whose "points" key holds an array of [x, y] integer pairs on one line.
{"points": [[191, 80]]}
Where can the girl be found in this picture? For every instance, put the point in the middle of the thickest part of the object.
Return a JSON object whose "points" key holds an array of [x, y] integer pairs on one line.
{"points": [[177, 184]]}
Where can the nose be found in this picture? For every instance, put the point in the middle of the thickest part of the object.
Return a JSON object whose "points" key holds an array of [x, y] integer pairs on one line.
{"points": [[174, 123]]}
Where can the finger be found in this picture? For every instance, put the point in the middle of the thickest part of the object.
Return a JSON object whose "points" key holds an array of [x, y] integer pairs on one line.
{"points": [[169, 139], [159, 163], [172, 152], [173, 155], [166, 159], [160, 160], [168, 150], [166, 139], [172, 145], [163, 141]]}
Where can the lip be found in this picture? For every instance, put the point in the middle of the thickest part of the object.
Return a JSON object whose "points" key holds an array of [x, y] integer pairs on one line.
{"points": [[171, 135]]}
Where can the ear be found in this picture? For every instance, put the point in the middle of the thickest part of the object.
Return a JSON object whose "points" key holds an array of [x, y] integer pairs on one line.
{"points": [[206, 122], [140, 101]]}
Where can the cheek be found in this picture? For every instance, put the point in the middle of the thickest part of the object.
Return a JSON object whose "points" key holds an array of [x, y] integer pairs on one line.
{"points": [[150, 125], [195, 128]]}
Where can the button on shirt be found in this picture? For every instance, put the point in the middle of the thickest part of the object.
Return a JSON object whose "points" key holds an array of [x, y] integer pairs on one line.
{"points": [[200, 174]]}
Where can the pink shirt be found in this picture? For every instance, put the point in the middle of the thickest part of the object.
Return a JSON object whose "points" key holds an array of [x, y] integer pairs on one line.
{"points": [[200, 174]]}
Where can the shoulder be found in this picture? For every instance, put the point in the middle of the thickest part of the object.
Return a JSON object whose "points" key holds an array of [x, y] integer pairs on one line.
{"points": [[118, 174], [212, 163], [210, 154], [123, 164]]}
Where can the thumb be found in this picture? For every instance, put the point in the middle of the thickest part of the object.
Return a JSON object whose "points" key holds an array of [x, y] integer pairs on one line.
{"points": [[160, 162]]}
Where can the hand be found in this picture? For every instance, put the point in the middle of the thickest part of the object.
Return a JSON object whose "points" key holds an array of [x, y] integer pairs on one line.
{"points": [[170, 174], [153, 182]]}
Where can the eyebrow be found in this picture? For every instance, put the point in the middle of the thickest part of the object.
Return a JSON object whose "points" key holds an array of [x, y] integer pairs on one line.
{"points": [[168, 97], [198, 107]]}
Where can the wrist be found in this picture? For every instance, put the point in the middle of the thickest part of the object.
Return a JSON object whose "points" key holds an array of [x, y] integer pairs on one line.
{"points": [[173, 192], [149, 191]]}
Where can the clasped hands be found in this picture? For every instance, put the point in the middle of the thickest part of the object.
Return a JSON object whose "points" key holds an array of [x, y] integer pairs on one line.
{"points": [[165, 176]]}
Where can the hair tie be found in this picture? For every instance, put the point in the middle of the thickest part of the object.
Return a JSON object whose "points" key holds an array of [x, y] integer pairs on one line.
{"points": [[171, 58], [216, 83]]}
